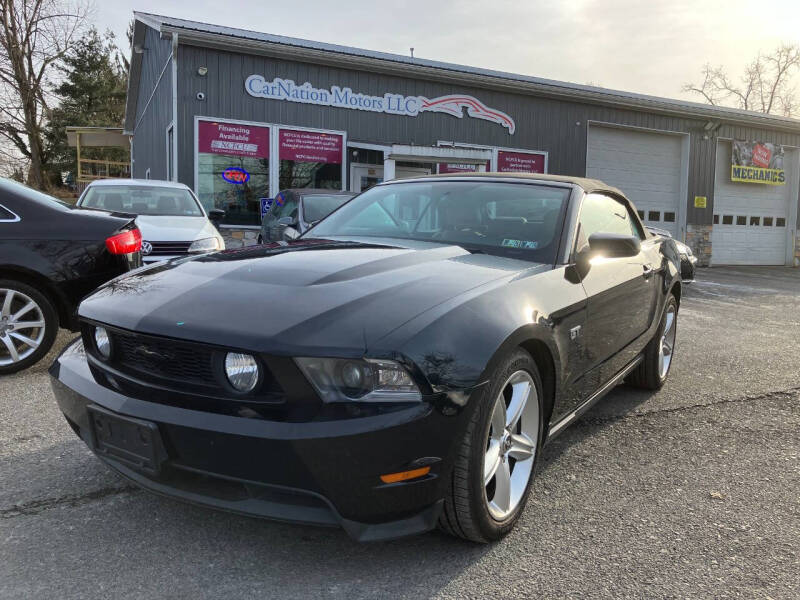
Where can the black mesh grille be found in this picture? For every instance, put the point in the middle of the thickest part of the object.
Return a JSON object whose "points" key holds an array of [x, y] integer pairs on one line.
{"points": [[167, 359], [169, 248]]}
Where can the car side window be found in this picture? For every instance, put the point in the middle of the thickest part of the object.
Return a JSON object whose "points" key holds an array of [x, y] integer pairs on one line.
{"points": [[604, 214], [7, 216]]}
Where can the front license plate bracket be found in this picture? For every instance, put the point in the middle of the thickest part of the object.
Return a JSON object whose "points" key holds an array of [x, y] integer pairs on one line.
{"points": [[128, 440]]}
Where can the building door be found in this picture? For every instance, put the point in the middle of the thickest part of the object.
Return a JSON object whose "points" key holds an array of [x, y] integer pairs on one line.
{"points": [[646, 166], [363, 177], [751, 220]]}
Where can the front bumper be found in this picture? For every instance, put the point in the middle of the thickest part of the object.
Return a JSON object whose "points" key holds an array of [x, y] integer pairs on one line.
{"points": [[322, 473]]}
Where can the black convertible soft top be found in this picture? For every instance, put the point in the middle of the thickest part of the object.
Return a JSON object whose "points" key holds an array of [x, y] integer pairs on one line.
{"points": [[588, 185]]}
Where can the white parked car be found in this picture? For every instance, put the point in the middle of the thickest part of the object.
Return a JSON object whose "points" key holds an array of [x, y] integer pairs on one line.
{"points": [[172, 221]]}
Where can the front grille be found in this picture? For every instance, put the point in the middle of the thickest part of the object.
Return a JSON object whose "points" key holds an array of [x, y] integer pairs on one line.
{"points": [[191, 375], [149, 356], [169, 248]]}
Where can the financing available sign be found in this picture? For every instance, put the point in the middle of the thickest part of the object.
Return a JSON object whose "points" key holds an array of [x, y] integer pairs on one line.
{"points": [[757, 162], [389, 103]]}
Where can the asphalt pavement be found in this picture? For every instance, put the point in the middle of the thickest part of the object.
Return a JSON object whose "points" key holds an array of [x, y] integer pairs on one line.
{"points": [[690, 492]]}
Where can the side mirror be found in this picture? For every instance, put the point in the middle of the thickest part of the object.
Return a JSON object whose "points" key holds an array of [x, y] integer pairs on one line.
{"points": [[286, 221], [614, 245], [216, 215]]}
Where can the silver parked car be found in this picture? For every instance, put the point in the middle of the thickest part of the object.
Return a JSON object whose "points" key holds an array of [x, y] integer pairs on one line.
{"points": [[172, 221]]}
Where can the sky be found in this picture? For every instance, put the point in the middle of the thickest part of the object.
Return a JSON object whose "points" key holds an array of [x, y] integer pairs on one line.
{"points": [[649, 47]]}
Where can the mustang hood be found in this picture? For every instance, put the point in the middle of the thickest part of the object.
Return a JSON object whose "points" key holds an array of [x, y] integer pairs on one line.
{"points": [[313, 295]]}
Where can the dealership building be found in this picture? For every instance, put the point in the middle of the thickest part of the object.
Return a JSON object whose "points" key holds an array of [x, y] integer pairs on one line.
{"points": [[238, 115]]}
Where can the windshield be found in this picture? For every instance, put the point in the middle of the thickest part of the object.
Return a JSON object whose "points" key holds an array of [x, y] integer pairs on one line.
{"points": [[142, 200], [318, 206], [513, 219]]}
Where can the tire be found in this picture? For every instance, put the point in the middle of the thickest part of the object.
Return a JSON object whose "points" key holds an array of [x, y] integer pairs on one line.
{"points": [[260, 239], [473, 509], [650, 374], [28, 305]]}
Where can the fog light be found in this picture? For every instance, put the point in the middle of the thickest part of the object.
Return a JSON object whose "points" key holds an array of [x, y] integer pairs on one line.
{"points": [[102, 342], [241, 371]]}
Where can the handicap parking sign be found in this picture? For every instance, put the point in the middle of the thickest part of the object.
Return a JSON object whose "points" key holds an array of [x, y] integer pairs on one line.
{"points": [[265, 204]]}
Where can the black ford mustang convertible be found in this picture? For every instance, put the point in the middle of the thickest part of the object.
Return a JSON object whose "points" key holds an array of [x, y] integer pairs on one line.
{"points": [[398, 366]]}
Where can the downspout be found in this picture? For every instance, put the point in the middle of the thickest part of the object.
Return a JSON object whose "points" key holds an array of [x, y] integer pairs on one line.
{"points": [[175, 106]]}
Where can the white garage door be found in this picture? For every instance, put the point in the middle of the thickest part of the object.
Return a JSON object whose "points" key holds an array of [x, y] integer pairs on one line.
{"points": [[750, 219], [645, 166]]}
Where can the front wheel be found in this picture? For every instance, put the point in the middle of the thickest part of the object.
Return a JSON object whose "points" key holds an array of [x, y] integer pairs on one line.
{"points": [[495, 461], [652, 372], [28, 326]]}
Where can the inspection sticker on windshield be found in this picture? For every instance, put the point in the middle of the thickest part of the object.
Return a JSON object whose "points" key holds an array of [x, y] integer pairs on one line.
{"points": [[520, 244]]}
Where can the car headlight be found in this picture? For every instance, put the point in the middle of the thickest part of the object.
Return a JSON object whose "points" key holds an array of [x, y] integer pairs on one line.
{"points": [[102, 342], [683, 248], [242, 371], [359, 380], [205, 245]]}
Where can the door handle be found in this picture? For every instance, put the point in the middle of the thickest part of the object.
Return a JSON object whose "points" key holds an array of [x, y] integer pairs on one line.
{"points": [[648, 271]]}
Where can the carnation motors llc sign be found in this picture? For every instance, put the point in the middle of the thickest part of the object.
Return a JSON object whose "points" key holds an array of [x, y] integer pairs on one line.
{"points": [[389, 103]]}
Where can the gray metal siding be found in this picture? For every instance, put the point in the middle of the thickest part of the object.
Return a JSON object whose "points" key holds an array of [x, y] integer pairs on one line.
{"points": [[558, 127], [149, 145]]}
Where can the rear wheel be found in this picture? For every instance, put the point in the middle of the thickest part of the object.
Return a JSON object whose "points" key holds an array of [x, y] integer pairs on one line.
{"points": [[495, 462], [652, 372], [28, 326]]}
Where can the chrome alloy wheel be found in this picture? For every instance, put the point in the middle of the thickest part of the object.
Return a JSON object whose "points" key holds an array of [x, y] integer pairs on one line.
{"points": [[511, 447], [22, 326], [667, 345]]}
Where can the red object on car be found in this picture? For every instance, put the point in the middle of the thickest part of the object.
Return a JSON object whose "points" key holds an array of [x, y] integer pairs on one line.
{"points": [[126, 242]]}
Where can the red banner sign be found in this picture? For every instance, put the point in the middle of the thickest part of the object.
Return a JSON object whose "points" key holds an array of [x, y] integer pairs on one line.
{"points": [[232, 139], [310, 146], [519, 162], [761, 156]]}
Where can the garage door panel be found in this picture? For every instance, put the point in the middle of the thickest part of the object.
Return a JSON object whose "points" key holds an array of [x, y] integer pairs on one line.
{"points": [[646, 166], [644, 179], [763, 243]]}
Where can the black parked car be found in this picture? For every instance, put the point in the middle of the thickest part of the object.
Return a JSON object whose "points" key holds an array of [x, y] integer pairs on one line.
{"points": [[435, 333], [51, 256], [294, 211]]}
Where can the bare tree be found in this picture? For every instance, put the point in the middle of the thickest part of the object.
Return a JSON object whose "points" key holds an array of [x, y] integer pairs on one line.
{"points": [[34, 35], [765, 86]]}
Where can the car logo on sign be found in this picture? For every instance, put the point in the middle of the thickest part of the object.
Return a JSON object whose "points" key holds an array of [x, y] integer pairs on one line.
{"points": [[147, 248]]}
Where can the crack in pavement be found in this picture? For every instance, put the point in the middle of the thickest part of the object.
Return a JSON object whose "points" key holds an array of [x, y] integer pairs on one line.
{"points": [[36, 506], [596, 421]]}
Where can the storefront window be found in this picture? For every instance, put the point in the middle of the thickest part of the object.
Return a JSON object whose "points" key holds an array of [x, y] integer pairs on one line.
{"points": [[310, 159], [233, 169]]}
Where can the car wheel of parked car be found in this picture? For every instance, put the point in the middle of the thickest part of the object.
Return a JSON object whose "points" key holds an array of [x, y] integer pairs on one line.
{"points": [[653, 370], [494, 468], [260, 239], [28, 326]]}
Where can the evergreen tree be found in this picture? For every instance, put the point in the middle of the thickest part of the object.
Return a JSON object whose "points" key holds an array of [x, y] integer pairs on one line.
{"points": [[91, 94]]}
